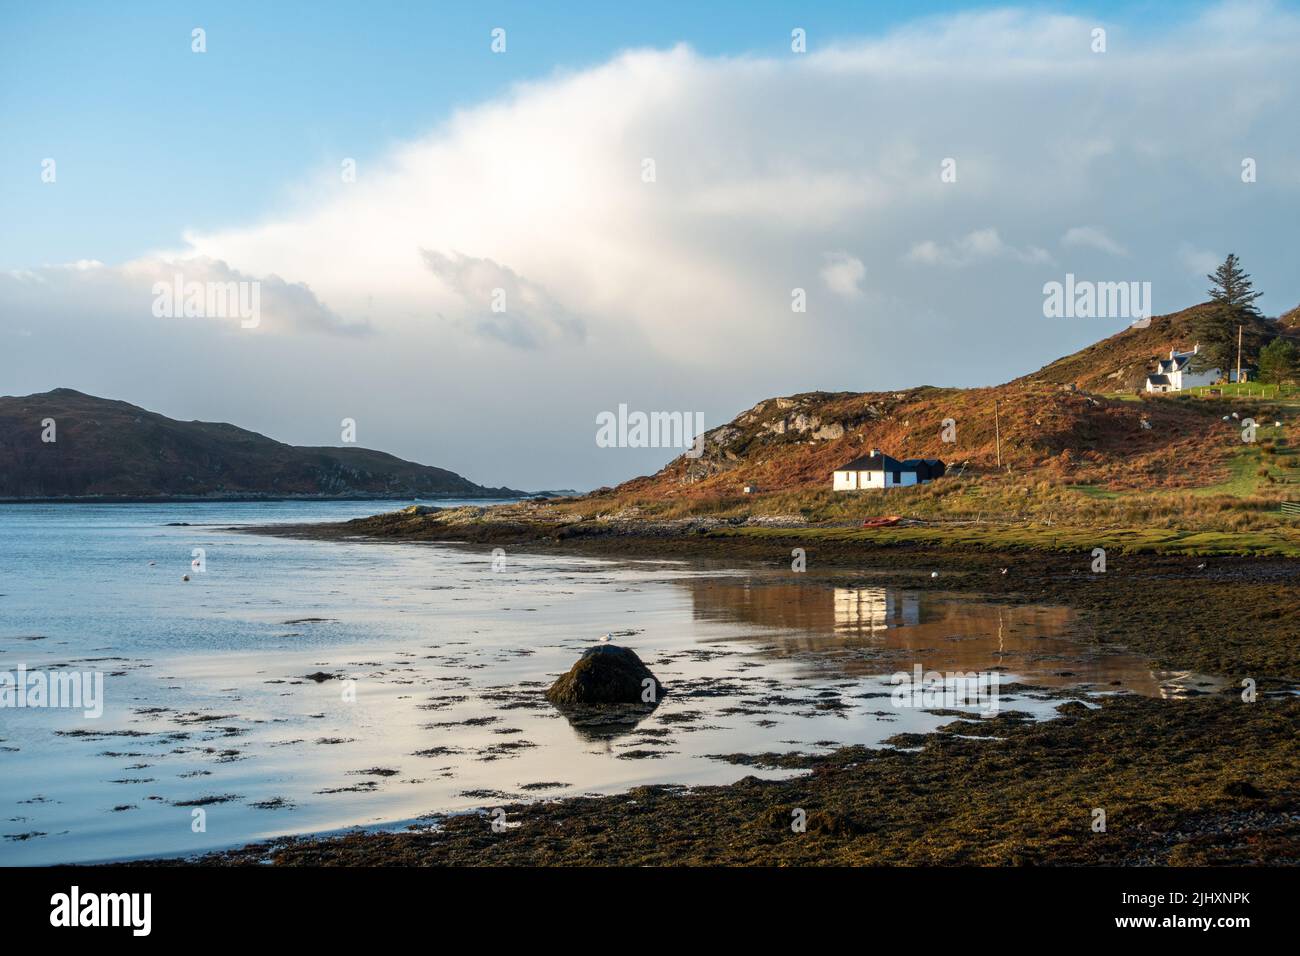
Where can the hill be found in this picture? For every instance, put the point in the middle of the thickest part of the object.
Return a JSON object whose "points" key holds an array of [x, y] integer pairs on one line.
{"points": [[796, 442], [1080, 420], [1122, 362], [114, 449]]}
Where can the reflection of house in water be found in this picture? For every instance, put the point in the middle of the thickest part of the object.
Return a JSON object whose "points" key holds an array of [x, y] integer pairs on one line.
{"points": [[881, 630], [875, 609]]}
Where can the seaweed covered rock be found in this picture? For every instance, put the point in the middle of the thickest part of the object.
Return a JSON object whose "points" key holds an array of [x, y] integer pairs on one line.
{"points": [[605, 674]]}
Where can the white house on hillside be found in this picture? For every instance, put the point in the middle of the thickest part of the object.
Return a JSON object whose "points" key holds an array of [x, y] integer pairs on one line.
{"points": [[878, 470], [1173, 375]]}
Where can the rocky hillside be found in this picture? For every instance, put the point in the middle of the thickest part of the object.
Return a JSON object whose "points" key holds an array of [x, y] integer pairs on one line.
{"points": [[796, 442], [1057, 423], [114, 449]]}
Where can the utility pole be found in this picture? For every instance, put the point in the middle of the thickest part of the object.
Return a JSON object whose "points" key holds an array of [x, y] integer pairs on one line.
{"points": [[1239, 357], [997, 431]]}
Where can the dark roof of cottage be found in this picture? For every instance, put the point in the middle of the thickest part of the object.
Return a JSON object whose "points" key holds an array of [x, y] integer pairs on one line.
{"points": [[876, 462], [1158, 379], [925, 467]]}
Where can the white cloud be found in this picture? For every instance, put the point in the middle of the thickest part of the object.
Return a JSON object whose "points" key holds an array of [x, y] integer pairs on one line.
{"points": [[1092, 238], [1198, 262], [980, 245], [129, 292], [498, 304], [843, 274]]}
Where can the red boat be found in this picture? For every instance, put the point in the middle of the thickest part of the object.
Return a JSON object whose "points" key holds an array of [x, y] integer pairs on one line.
{"points": [[884, 522]]}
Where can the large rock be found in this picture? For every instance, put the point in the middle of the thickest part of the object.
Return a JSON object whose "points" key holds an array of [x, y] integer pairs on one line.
{"points": [[605, 674]]}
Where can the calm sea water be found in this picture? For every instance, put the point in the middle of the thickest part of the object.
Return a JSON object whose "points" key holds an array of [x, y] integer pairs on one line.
{"points": [[304, 686]]}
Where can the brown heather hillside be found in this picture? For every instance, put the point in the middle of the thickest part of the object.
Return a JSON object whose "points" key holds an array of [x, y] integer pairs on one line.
{"points": [[796, 442], [1122, 362], [1056, 424]]}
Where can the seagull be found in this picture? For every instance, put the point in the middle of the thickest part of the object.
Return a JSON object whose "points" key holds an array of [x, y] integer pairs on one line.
{"points": [[1005, 570], [604, 638], [1201, 566], [185, 577], [934, 574]]}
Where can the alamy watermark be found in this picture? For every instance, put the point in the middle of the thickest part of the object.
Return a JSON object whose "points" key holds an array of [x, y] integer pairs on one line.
{"points": [[930, 690], [75, 908], [209, 300], [626, 429], [1084, 299], [56, 689]]}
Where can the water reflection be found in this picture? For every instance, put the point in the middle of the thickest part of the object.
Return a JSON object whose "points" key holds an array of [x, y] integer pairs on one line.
{"points": [[877, 629], [875, 609], [605, 722]]}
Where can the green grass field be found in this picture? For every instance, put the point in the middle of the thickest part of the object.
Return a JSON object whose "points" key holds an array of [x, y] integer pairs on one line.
{"points": [[1253, 390], [1095, 491], [1243, 478], [1282, 542]]}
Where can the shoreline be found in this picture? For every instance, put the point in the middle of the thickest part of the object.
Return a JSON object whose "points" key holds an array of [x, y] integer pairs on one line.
{"points": [[1247, 608], [999, 791], [964, 798], [228, 499]]}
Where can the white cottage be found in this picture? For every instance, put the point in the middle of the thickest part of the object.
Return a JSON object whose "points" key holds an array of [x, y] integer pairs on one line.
{"points": [[1174, 373], [878, 470]]}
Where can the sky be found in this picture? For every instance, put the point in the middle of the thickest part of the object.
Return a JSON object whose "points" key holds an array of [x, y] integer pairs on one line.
{"points": [[474, 253]]}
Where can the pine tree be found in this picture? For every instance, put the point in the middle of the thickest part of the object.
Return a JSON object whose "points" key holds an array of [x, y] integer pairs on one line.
{"points": [[1232, 288], [1277, 362], [1233, 298]]}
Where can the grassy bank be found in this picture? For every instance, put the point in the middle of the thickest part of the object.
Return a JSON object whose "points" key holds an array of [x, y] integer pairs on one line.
{"points": [[1244, 495], [1278, 543]]}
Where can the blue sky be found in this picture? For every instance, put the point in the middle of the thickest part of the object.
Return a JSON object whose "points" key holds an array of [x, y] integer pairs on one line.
{"points": [[151, 139], [524, 173]]}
